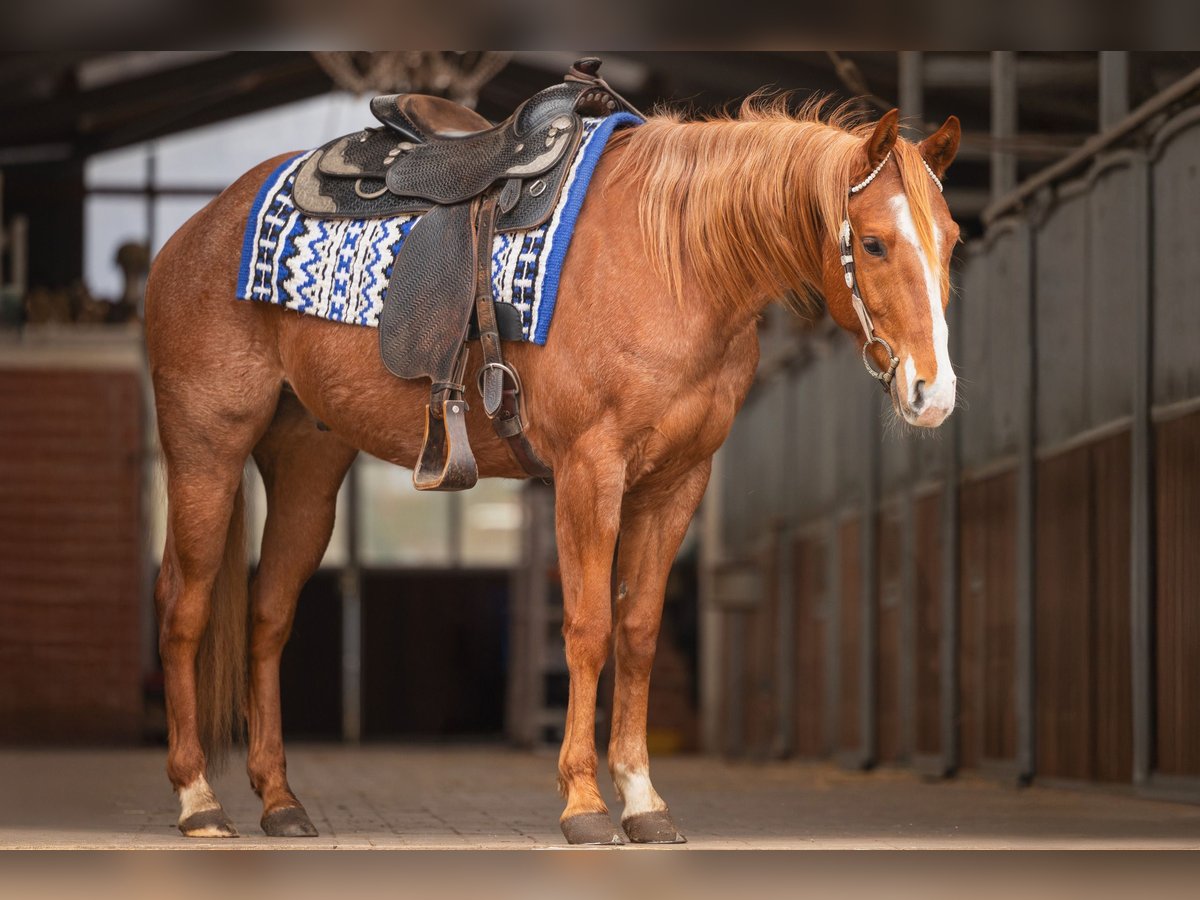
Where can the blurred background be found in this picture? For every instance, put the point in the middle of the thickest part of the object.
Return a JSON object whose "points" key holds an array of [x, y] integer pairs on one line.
{"points": [[1014, 595]]}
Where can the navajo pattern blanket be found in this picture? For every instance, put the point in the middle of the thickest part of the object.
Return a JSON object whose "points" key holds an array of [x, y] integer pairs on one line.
{"points": [[339, 269]]}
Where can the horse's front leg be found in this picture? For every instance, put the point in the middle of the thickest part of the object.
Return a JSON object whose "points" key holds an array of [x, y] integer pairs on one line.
{"points": [[588, 489], [653, 523]]}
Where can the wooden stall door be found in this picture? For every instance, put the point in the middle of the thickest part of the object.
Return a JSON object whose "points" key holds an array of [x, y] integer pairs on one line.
{"points": [[889, 726], [760, 653], [1063, 612], [927, 522], [850, 735], [1177, 612], [810, 739], [987, 620], [1112, 671]]}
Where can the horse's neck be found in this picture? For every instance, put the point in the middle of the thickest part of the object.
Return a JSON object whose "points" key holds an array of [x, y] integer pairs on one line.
{"points": [[742, 239]]}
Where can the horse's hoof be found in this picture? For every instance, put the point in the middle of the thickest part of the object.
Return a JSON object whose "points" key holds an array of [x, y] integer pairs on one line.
{"points": [[590, 828], [208, 823], [652, 828], [291, 821]]}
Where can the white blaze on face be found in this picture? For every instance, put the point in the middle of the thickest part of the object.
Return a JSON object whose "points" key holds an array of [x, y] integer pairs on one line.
{"points": [[939, 392]]}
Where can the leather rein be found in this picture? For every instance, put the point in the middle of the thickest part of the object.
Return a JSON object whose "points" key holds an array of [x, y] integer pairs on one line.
{"points": [[886, 376]]}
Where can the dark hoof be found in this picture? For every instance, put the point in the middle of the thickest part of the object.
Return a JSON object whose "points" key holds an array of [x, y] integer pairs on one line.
{"points": [[590, 828], [291, 821], [652, 828], [208, 823]]}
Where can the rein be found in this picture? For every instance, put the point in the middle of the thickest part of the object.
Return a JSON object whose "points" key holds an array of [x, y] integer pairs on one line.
{"points": [[846, 244]]}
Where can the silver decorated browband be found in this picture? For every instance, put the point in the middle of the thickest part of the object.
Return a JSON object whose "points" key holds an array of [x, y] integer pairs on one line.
{"points": [[854, 189]]}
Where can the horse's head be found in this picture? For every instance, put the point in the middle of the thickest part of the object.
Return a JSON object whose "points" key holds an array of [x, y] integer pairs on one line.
{"points": [[896, 257]]}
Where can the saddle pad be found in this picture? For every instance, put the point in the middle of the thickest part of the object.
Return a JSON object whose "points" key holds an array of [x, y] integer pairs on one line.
{"points": [[339, 269]]}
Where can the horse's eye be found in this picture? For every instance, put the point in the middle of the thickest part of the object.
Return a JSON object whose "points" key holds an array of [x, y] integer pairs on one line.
{"points": [[874, 246]]}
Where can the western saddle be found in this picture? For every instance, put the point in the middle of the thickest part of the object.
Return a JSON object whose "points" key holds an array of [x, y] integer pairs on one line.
{"points": [[469, 180]]}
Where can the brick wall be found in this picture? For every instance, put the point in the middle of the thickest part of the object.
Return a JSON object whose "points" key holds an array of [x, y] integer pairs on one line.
{"points": [[70, 555]]}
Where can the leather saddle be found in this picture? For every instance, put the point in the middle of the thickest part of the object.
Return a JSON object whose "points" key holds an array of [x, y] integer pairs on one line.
{"points": [[468, 180]]}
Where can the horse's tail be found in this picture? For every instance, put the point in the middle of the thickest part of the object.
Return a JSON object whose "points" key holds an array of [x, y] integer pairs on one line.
{"points": [[221, 660]]}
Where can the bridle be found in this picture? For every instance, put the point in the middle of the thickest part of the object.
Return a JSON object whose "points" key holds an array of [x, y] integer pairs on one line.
{"points": [[846, 244]]}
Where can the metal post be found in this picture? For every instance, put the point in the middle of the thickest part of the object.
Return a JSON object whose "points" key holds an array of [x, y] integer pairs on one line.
{"points": [[948, 650], [785, 580], [908, 622], [711, 620], [1004, 121], [1027, 437], [912, 108], [1141, 588], [912, 93], [831, 724], [351, 588], [785, 642], [1114, 87], [869, 598]]}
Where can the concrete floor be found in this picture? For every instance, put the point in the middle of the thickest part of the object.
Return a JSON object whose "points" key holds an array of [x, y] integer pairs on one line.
{"points": [[489, 797]]}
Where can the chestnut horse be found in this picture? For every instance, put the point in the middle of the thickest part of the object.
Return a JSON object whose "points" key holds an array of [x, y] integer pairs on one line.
{"points": [[689, 229]]}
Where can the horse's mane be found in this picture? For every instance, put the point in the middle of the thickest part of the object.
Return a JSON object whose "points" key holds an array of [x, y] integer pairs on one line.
{"points": [[748, 204]]}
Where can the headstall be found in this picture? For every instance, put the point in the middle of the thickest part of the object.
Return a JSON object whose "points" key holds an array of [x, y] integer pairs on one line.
{"points": [[846, 244]]}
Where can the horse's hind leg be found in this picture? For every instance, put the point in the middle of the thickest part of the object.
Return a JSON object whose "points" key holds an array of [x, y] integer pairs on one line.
{"points": [[207, 433], [302, 468], [653, 523]]}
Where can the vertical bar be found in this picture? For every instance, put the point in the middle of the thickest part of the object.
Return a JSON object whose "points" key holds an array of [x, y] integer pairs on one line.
{"points": [[948, 651], [711, 621], [1114, 87], [1025, 623], [785, 579], [735, 682], [454, 528], [948, 695], [908, 625], [351, 587], [19, 253], [912, 93], [4, 248], [521, 702], [1004, 121], [833, 623], [785, 675], [1141, 588], [869, 598], [912, 108]]}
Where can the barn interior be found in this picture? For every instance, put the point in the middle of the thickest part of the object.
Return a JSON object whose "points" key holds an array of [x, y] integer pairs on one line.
{"points": [[1012, 598]]}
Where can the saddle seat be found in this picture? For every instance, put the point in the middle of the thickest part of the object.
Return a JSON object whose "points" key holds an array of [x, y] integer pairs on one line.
{"points": [[417, 117], [469, 180]]}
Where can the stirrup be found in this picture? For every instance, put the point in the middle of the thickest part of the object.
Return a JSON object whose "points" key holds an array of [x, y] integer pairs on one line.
{"points": [[446, 462]]}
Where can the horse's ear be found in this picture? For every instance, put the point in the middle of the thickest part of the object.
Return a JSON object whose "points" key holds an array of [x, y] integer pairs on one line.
{"points": [[940, 148], [880, 144]]}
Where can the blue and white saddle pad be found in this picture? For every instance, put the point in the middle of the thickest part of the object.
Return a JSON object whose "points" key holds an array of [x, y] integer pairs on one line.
{"points": [[339, 269]]}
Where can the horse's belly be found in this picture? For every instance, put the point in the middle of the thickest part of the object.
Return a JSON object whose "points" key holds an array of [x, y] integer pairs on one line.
{"points": [[337, 373]]}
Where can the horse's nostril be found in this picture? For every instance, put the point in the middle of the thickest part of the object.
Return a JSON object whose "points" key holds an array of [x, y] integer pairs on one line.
{"points": [[918, 394]]}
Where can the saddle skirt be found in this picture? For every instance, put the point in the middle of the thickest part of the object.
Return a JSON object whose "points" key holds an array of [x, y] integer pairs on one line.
{"points": [[338, 266]]}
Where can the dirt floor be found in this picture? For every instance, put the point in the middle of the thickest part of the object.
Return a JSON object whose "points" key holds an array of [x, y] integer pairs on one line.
{"points": [[490, 797]]}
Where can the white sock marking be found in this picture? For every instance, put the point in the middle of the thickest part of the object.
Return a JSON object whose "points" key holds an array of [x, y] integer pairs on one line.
{"points": [[196, 797], [636, 790]]}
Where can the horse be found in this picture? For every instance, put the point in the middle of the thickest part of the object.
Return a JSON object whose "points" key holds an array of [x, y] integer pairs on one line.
{"points": [[698, 224]]}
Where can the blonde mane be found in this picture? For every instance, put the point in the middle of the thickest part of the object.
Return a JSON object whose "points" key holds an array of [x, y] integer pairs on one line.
{"points": [[749, 205]]}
